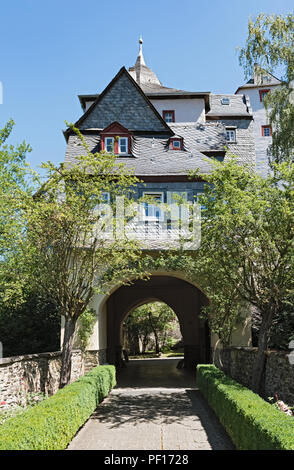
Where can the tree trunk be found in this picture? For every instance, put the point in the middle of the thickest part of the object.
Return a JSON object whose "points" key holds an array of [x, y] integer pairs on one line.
{"points": [[154, 332], [69, 330], [263, 338], [157, 350]]}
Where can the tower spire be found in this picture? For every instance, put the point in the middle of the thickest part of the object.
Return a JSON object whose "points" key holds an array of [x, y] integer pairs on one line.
{"points": [[140, 72], [140, 58]]}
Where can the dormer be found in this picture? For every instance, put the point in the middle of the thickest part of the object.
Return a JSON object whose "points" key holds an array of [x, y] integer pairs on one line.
{"points": [[116, 139], [176, 143]]}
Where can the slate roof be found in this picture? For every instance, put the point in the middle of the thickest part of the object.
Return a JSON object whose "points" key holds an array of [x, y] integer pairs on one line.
{"points": [[257, 80], [239, 106], [123, 101], [151, 155], [153, 91]]}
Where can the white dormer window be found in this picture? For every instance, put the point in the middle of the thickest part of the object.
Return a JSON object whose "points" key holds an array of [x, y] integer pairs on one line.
{"points": [[231, 135], [225, 101], [123, 145], [109, 144]]}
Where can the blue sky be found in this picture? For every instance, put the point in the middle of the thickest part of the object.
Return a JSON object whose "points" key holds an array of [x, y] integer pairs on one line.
{"points": [[53, 51]]}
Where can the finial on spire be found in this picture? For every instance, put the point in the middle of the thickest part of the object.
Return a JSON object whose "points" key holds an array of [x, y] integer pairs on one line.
{"points": [[140, 58]]}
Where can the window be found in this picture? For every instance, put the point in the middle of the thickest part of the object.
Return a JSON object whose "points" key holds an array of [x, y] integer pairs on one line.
{"points": [[168, 116], [225, 101], [266, 131], [266, 79], [176, 144], [109, 144], [177, 198], [262, 94], [101, 208], [116, 139], [231, 135], [152, 212], [123, 145]]}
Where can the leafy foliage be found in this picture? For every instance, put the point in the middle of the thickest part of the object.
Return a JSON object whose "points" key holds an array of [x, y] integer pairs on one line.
{"points": [[270, 45], [153, 318], [66, 251], [85, 329], [31, 326], [252, 423], [14, 186], [247, 249]]}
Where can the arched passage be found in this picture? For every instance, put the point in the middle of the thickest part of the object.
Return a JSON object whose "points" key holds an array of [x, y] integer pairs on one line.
{"points": [[185, 300]]}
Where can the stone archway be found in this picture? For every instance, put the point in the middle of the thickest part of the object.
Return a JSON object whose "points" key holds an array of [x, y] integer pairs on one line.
{"points": [[185, 300]]}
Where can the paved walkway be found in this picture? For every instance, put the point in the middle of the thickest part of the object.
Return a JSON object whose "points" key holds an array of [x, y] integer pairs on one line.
{"points": [[155, 406]]}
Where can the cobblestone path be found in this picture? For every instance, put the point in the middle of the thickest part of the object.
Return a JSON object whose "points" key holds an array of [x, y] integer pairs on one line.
{"points": [[155, 406]]}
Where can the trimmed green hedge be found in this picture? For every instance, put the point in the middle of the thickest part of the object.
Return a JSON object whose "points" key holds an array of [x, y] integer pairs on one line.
{"points": [[252, 423], [53, 423]]}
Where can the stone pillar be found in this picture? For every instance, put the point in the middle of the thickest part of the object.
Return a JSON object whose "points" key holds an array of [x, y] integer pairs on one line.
{"points": [[115, 356], [192, 356]]}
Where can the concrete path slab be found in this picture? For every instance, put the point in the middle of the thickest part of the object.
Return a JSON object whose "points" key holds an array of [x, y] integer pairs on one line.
{"points": [[155, 406]]}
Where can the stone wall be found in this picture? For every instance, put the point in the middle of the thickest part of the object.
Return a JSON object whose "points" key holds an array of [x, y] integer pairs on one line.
{"points": [[40, 373], [278, 378]]}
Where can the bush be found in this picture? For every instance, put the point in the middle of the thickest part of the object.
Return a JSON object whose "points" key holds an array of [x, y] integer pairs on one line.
{"points": [[252, 423], [52, 424], [31, 327]]}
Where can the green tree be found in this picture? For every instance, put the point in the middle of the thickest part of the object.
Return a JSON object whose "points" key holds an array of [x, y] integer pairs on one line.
{"points": [[13, 182], [15, 185], [270, 46], [247, 249], [138, 329], [30, 326], [66, 249], [154, 318]]}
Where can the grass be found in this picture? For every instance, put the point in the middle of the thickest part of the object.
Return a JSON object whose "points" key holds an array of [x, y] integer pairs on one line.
{"points": [[152, 354]]}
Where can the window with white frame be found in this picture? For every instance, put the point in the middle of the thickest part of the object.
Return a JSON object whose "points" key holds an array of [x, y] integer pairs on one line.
{"points": [[109, 144], [169, 116], [152, 212], [231, 135], [123, 145], [225, 101]]}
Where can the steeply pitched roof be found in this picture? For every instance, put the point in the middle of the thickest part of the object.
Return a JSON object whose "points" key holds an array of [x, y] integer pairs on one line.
{"points": [[151, 155], [123, 101]]}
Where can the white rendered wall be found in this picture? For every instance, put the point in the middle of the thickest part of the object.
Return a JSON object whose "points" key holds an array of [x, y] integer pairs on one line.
{"points": [[192, 110], [88, 104], [260, 119], [98, 339]]}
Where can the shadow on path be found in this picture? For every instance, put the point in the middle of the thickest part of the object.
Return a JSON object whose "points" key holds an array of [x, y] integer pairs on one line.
{"points": [[152, 373], [155, 406]]}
